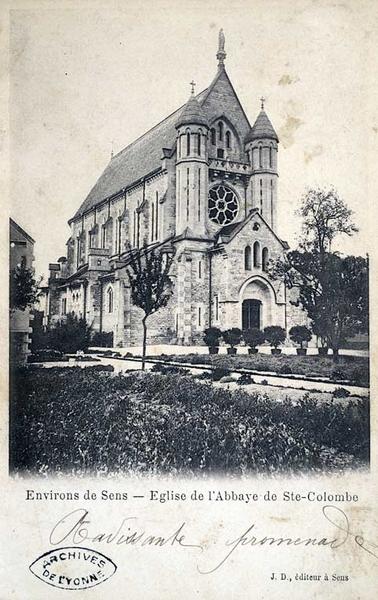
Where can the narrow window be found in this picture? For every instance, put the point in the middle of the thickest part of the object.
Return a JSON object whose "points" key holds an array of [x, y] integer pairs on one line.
{"points": [[216, 301], [248, 258], [64, 306], [179, 146], [188, 143], [199, 316], [200, 269], [256, 254], [103, 236], [271, 203], [261, 197], [119, 235], [228, 139], [157, 216], [199, 194], [265, 259], [134, 228], [220, 153], [220, 131], [110, 300], [260, 157], [199, 143], [152, 221], [213, 136], [270, 157], [187, 194]]}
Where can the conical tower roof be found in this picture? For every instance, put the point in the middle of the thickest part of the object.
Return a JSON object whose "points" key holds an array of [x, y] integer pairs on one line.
{"points": [[192, 114], [262, 128]]}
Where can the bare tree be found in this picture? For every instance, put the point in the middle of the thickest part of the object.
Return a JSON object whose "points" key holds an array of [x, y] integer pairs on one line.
{"points": [[151, 286]]}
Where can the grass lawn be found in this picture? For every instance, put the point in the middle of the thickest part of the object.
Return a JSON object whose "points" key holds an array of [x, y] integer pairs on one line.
{"points": [[348, 368], [83, 421]]}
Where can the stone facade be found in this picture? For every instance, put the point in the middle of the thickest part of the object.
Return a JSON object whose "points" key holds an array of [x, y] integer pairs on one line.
{"points": [[202, 183]]}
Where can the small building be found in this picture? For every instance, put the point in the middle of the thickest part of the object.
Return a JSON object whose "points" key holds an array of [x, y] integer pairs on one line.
{"points": [[21, 252]]}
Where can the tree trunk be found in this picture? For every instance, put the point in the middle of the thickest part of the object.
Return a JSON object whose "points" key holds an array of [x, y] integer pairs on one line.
{"points": [[144, 343], [335, 352]]}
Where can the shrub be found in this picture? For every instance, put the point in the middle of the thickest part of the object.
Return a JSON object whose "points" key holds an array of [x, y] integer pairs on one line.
{"points": [[253, 337], [285, 369], [275, 335], [168, 369], [341, 393], [264, 382], [245, 379], [232, 336], [104, 339], [218, 373], [299, 334], [212, 336]]}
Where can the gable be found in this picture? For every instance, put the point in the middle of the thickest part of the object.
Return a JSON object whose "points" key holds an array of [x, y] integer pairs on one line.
{"points": [[232, 234], [221, 99]]}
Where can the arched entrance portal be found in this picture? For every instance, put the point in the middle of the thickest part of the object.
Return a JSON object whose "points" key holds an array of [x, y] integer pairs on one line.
{"points": [[251, 314]]}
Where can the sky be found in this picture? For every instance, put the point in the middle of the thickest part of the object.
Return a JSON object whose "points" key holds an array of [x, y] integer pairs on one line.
{"points": [[89, 78]]}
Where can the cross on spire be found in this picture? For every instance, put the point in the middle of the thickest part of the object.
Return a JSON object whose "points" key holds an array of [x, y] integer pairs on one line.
{"points": [[262, 100], [193, 84]]}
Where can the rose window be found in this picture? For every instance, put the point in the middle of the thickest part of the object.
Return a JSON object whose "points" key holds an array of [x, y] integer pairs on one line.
{"points": [[223, 205]]}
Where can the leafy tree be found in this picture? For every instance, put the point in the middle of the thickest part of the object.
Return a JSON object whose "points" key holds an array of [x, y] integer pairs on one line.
{"points": [[23, 288], [70, 335], [232, 336], [150, 283], [275, 335], [325, 215], [253, 337], [299, 334]]}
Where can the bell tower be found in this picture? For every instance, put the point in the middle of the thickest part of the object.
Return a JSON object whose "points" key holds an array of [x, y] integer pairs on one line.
{"points": [[262, 147], [191, 167]]}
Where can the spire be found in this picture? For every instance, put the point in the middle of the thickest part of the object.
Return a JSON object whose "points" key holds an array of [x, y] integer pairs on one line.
{"points": [[192, 113], [221, 55], [262, 127]]}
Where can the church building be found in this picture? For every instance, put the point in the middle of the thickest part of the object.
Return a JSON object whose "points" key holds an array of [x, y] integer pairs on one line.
{"points": [[203, 184]]}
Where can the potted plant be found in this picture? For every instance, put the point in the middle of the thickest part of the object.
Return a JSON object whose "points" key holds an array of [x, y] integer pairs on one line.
{"points": [[275, 335], [211, 338], [299, 334], [253, 337], [232, 337]]}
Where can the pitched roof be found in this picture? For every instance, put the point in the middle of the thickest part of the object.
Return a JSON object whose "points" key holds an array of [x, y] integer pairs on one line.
{"points": [[262, 128], [228, 232], [15, 227], [141, 157]]}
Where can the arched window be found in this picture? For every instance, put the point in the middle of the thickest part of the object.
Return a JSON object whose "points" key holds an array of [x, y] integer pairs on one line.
{"points": [[265, 259], [188, 143], [103, 236], [260, 157], [228, 139], [109, 300], [220, 131], [248, 258], [213, 138], [256, 254], [199, 143], [270, 157]]}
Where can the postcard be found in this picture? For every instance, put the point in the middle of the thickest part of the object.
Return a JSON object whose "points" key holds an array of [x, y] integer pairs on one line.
{"points": [[190, 323]]}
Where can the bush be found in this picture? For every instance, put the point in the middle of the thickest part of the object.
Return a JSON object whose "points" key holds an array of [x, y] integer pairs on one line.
{"points": [[212, 336], [168, 369], [253, 337], [104, 339], [218, 373], [232, 336], [285, 369], [340, 393], [275, 335], [299, 334], [245, 379]]}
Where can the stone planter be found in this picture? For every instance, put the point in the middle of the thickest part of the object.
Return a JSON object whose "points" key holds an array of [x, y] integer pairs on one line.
{"points": [[323, 351], [276, 351], [213, 349], [232, 351], [301, 351], [252, 350]]}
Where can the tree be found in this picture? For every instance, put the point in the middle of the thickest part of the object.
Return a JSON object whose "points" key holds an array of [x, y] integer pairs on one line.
{"points": [[23, 288], [333, 290], [253, 337], [70, 335], [325, 215], [299, 334], [275, 335], [150, 283]]}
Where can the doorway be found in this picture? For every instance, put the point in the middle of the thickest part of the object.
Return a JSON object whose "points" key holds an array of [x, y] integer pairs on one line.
{"points": [[251, 314]]}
